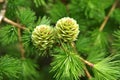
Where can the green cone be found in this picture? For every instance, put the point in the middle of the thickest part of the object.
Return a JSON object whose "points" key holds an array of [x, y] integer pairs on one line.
{"points": [[67, 29], [43, 37]]}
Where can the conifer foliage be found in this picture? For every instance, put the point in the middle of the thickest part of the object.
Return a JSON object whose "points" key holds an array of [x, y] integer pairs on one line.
{"points": [[59, 39]]}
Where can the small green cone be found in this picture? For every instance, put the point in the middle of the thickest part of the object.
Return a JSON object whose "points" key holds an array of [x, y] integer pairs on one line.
{"points": [[43, 37], [67, 29]]}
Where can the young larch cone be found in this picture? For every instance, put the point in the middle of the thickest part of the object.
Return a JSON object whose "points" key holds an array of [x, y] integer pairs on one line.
{"points": [[43, 37], [67, 29]]}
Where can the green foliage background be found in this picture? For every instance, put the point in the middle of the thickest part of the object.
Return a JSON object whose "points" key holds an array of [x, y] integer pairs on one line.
{"points": [[102, 48]]}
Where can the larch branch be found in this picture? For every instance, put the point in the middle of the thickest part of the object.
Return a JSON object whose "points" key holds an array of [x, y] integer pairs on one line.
{"points": [[20, 44], [108, 16], [3, 11], [85, 61], [1, 1], [87, 73], [14, 23]]}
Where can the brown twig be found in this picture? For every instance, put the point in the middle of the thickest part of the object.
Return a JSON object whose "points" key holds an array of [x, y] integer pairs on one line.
{"points": [[1, 1], [14, 23], [108, 16], [85, 61], [3, 11], [20, 44], [2, 16], [87, 73]]}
